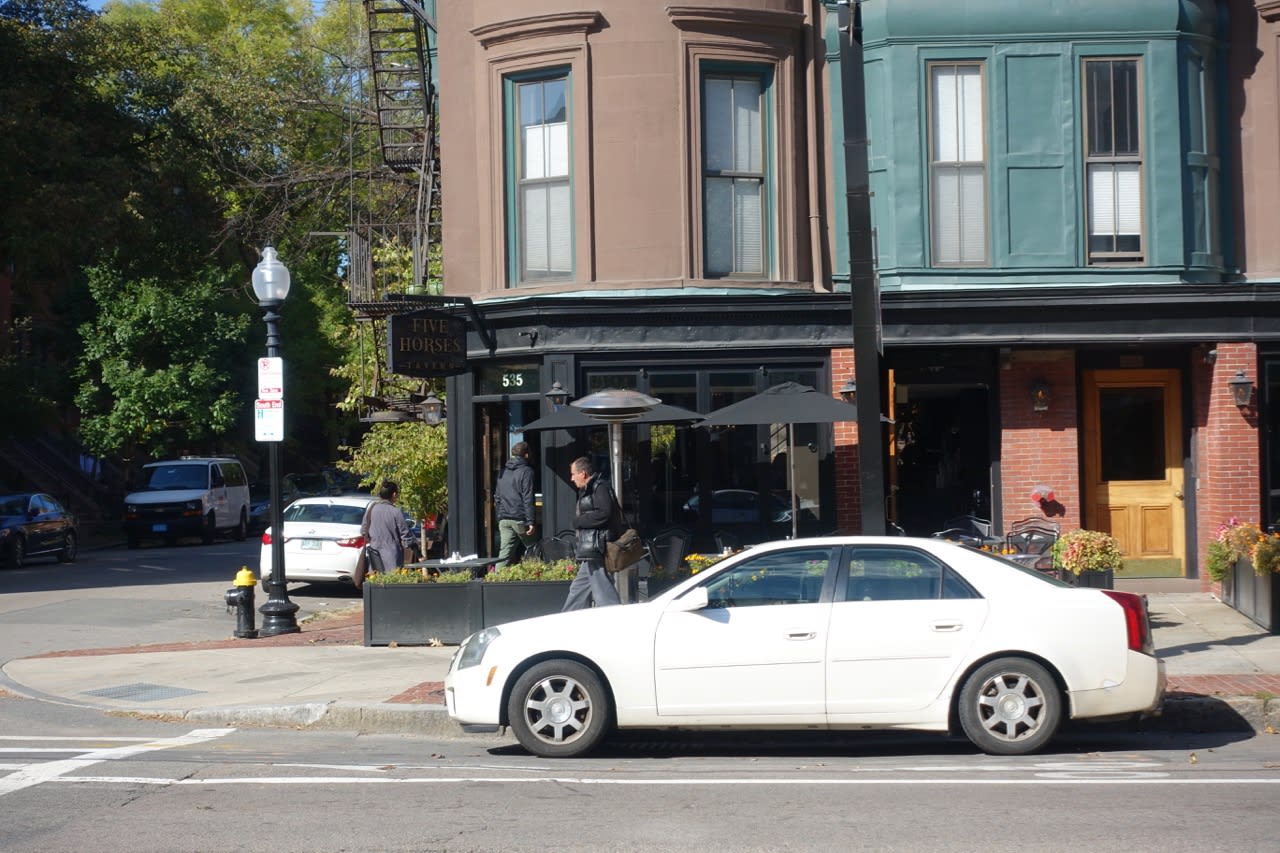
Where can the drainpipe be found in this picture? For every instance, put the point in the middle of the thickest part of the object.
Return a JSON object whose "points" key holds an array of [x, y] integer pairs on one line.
{"points": [[813, 128]]}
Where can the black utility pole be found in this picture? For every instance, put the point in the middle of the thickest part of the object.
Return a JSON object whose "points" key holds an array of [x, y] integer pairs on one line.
{"points": [[864, 286]]}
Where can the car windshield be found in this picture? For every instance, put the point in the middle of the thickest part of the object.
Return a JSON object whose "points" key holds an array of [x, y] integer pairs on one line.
{"points": [[16, 505], [325, 513], [161, 477]]}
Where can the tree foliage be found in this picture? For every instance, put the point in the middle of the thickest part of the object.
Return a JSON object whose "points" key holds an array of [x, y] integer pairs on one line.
{"points": [[413, 454], [154, 375]]}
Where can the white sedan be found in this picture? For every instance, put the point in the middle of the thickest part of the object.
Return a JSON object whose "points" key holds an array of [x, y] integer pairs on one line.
{"points": [[322, 540], [837, 633]]}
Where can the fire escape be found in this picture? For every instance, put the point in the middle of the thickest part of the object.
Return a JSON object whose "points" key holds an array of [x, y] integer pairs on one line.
{"points": [[401, 42]]}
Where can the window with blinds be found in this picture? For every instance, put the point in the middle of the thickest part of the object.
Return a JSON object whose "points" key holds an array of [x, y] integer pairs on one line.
{"points": [[733, 175], [544, 209], [1113, 160], [957, 165]]}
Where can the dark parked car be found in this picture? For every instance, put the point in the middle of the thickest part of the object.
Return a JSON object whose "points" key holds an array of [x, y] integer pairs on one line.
{"points": [[260, 501], [34, 524]]}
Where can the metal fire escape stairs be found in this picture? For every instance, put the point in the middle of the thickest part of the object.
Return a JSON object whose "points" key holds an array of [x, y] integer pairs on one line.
{"points": [[401, 42]]}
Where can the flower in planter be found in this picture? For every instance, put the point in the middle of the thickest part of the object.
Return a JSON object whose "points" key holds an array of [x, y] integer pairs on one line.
{"points": [[1266, 554], [699, 562], [1087, 551], [534, 570], [1234, 541], [414, 576]]}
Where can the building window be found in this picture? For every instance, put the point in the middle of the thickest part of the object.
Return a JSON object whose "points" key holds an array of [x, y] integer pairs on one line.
{"points": [[543, 226], [1113, 160], [957, 165], [734, 177]]}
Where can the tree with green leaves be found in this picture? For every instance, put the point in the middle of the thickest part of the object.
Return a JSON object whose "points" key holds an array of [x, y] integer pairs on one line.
{"points": [[155, 377], [414, 454]]}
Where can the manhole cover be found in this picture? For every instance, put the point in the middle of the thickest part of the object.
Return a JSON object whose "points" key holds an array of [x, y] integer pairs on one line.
{"points": [[141, 692]]}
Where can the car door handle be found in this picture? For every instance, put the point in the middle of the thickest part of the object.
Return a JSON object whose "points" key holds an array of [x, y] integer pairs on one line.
{"points": [[947, 626], [801, 635]]}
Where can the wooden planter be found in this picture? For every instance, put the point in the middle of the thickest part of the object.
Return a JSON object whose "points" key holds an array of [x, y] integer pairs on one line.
{"points": [[1256, 596], [417, 614]]}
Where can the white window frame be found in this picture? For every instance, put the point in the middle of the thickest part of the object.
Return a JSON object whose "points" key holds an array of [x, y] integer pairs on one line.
{"points": [[542, 182], [1114, 158], [958, 210]]}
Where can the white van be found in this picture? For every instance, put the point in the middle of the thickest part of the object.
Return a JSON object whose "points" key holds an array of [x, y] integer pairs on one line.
{"points": [[190, 496]]}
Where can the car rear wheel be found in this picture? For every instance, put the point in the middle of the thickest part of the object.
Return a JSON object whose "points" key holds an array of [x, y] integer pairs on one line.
{"points": [[68, 552], [210, 527], [559, 709], [1010, 706], [242, 529]]}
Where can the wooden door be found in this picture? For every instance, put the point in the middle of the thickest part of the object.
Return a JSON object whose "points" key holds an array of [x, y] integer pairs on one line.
{"points": [[1132, 423]]}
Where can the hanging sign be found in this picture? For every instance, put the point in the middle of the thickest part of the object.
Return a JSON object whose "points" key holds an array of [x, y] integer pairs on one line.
{"points": [[427, 344]]}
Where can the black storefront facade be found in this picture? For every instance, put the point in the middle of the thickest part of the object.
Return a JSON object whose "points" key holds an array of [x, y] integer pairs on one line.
{"points": [[944, 357]]}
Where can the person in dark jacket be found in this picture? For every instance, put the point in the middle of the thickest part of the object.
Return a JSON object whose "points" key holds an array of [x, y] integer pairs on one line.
{"points": [[513, 502], [595, 518]]}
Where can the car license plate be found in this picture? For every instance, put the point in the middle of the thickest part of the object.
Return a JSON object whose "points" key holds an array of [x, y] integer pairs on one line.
{"points": [[311, 544], [159, 528]]}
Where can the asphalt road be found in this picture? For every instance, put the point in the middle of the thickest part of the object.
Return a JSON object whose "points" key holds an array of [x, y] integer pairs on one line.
{"points": [[73, 779]]}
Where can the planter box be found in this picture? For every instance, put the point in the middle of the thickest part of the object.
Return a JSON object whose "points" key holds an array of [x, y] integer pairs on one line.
{"points": [[1091, 580], [1256, 596], [507, 602], [416, 614]]}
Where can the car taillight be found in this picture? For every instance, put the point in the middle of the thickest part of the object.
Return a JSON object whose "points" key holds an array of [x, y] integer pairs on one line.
{"points": [[353, 542], [266, 537], [1136, 621]]}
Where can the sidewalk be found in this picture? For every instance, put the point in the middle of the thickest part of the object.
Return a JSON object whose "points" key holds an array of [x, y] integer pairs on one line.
{"points": [[1224, 674]]}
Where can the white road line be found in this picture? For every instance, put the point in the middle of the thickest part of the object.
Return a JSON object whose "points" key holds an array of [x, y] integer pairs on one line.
{"points": [[50, 771], [562, 780], [79, 739]]}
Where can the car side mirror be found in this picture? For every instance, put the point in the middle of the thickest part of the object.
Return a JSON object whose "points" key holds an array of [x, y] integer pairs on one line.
{"points": [[694, 599]]}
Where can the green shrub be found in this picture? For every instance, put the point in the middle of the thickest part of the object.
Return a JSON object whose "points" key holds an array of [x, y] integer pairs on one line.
{"points": [[408, 576], [534, 570], [1087, 551]]}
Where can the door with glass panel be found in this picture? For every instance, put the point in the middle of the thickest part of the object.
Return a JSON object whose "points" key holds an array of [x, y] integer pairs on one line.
{"points": [[1133, 463]]}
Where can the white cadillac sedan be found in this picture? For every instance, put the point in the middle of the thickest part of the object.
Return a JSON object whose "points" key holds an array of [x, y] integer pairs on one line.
{"points": [[837, 633], [322, 540]]}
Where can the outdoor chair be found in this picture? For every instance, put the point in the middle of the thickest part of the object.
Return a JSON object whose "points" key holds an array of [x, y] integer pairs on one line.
{"points": [[1030, 542], [727, 541], [668, 548], [552, 548]]}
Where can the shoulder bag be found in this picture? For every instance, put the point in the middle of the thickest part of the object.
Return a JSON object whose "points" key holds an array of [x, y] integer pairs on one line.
{"points": [[624, 548]]}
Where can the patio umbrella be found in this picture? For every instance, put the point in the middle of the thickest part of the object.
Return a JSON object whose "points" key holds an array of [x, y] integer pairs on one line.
{"points": [[789, 403], [572, 418]]}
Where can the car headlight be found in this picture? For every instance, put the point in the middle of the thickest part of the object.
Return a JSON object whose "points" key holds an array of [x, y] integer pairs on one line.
{"points": [[194, 505], [475, 647]]}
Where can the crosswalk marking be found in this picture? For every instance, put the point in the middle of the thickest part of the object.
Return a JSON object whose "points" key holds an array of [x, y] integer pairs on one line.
{"points": [[49, 771]]}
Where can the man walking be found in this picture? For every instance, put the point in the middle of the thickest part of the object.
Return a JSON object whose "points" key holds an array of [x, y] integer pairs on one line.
{"points": [[597, 513], [513, 501]]}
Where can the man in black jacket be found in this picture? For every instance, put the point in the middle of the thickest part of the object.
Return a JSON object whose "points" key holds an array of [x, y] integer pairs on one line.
{"points": [[513, 501], [596, 513]]}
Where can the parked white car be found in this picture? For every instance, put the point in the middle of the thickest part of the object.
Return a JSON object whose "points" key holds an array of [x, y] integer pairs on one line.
{"points": [[837, 633], [322, 540]]}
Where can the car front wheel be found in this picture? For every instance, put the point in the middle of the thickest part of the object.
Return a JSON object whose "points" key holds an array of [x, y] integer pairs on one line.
{"points": [[1010, 706], [242, 529], [17, 552], [68, 552], [210, 527], [559, 709]]}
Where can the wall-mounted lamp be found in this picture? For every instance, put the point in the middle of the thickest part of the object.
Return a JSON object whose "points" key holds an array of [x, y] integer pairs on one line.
{"points": [[432, 409], [557, 397], [1241, 389], [849, 391], [1039, 396]]}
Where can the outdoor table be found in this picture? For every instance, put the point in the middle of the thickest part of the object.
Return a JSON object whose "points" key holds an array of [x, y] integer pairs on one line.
{"points": [[477, 565]]}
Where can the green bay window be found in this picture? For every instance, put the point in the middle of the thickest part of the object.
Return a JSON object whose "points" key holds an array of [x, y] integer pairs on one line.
{"points": [[957, 165], [1113, 160]]}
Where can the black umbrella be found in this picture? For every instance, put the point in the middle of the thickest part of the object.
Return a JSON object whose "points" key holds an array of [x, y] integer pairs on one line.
{"points": [[789, 403], [572, 418]]}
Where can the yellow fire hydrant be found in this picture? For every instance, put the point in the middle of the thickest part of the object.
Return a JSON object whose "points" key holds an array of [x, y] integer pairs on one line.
{"points": [[240, 597]]}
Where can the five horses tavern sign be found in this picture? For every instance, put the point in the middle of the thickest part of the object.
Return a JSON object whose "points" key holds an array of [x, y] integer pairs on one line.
{"points": [[427, 344]]}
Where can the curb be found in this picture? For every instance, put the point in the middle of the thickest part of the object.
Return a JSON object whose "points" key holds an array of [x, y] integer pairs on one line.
{"points": [[1180, 713]]}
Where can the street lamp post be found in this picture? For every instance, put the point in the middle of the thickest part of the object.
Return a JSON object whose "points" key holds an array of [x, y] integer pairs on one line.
{"points": [[271, 286]]}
